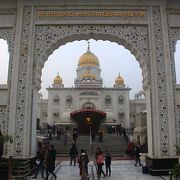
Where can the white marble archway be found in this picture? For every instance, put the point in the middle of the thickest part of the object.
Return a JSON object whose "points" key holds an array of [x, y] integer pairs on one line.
{"points": [[134, 38], [151, 41]]}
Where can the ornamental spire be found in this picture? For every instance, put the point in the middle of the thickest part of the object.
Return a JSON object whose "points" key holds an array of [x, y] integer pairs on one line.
{"points": [[88, 49]]}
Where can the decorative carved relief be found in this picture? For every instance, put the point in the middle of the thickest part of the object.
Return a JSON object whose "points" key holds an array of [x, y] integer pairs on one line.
{"points": [[7, 34], [3, 119], [161, 80], [49, 37], [20, 109], [178, 124], [174, 34]]}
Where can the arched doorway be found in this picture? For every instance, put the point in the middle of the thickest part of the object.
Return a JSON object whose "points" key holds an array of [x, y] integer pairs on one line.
{"points": [[88, 118], [147, 37]]}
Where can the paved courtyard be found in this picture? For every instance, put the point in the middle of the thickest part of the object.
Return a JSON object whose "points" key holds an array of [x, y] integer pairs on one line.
{"points": [[121, 170]]}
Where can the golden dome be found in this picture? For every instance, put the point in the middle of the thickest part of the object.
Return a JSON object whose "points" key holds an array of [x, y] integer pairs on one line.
{"points": [[88, 75], [119, 80], [88, 59], [58, 79]]}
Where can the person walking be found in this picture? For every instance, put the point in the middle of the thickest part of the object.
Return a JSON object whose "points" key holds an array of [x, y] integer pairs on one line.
{"points": [[58, 134], [75, 136], [49, 163], [39, 163], [100, 135], [137, 155], [65, 137], [108, 163], [53, 155], [96, 156], [73, 154], [100, 163], [83, 164]]}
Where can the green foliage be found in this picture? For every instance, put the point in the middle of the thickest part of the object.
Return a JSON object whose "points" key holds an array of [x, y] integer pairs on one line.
{"points": [[176, 170], [177, 149], [6, 138]]}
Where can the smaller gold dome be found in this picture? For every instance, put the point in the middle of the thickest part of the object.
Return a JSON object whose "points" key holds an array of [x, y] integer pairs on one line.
{"points": [[58, 79], [88, 75], [88, 59], [119, 80]]}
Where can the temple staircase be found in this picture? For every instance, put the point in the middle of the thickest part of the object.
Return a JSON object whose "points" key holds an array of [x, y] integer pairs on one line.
{"points": [[115, 144]]}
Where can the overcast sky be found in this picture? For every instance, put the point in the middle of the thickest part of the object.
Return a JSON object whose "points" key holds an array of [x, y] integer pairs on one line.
{"points": [[113, 58]]}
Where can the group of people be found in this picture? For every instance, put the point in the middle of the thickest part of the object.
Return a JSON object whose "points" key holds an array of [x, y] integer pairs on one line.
{"points": [[99, 157], [83, 161], [45, 159], [60, 133]]}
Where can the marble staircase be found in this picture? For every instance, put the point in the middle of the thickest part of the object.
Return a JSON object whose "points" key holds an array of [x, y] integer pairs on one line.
{"points": [[115, 144]]}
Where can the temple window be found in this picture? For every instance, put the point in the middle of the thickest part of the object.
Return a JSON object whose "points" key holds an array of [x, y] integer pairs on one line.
{"points": [[120, 100], [69, 101], [56, 99], [107, 101]]}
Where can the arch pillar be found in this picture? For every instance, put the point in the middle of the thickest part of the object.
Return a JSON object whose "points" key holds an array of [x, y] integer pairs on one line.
{"points": [[161, 125], [21, 124]]}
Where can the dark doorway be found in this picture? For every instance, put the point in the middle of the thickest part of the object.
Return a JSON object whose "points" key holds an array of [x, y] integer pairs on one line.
{"points": [[88, 118]]}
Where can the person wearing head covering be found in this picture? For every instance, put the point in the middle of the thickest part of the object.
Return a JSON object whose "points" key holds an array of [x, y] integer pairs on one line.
{"points": [[83, 164]]}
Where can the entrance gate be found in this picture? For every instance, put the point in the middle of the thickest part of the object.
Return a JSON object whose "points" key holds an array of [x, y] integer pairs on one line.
{"points": [[87, 119], [34, 29]]}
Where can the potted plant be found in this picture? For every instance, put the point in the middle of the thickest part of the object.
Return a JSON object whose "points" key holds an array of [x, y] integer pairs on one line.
{"points": [[176, 171], [176, 168], [4, 138]]}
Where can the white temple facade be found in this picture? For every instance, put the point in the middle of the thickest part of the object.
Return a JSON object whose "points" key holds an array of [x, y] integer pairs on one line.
{"points": [[106, 107]]}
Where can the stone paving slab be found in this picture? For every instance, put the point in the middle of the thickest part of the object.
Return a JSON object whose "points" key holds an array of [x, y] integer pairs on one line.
{"points": [[121, 170]]}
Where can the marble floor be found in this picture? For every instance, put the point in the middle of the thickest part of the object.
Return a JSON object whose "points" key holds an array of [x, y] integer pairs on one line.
{"points": [[121, 170]]}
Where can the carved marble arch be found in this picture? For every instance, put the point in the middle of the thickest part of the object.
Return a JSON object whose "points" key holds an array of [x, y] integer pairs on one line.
{"points": [[174, 37], [50, 37], [7, 33]]}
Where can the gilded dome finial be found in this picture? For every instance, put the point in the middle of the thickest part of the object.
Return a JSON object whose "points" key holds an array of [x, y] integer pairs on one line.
{"points": [[58, 79], [88, 58], [119, 80], [88, 49]]}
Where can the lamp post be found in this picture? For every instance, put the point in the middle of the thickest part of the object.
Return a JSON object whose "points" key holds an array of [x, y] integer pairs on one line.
{"points": [[90, 140]]}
